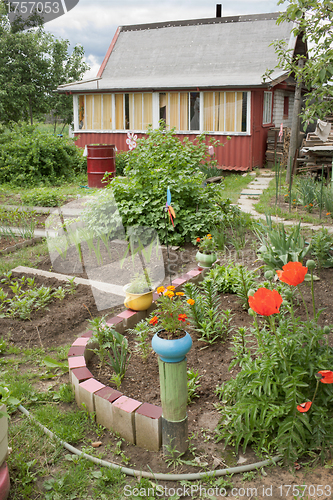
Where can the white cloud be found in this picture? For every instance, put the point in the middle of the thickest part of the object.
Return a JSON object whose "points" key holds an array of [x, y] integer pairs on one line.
{"points": [[94, 66]]}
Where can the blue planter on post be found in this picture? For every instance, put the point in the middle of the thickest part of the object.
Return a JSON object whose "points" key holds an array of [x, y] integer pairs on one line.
{"points": [[173, 386], [171, 351]]}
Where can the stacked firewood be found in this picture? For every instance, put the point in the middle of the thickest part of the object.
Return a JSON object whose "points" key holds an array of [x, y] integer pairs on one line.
{"points": [[277, 147]]}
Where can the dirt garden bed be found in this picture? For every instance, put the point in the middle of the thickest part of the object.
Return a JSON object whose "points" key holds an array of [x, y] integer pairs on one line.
{"points": [[63, 321]]}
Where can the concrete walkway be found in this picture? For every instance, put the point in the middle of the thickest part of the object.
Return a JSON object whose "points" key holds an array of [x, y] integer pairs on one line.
{"points": [[251, 194]]}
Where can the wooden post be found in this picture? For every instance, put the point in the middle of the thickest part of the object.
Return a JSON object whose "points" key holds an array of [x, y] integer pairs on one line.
{"points": [[295, 123], [173, 387]]}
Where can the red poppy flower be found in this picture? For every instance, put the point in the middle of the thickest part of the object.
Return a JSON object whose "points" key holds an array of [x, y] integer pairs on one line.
{"points": [[198, 239], [182, 317], [327, 376], [304, 407], [154, 320], [265, 302], [293, 273]]}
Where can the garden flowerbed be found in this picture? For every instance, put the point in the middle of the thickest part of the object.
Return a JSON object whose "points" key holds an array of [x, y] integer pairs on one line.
{"points": [[63, 321]]}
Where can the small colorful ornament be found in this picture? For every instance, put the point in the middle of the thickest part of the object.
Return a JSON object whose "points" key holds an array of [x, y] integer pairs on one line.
{"points": [[169, 208]]}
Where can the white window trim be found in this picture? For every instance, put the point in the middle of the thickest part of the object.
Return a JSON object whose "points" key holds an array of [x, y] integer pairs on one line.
{"points": [[270, 93], [76, 111]]}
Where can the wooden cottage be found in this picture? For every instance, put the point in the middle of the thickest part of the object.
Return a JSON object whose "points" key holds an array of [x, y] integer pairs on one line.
{"points": [[203, 75]]}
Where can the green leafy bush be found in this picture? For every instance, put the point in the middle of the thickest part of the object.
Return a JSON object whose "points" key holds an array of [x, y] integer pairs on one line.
{"points": [[234, 279], [42, 197], [29, 157], [211, 323], [159, 161], [259, 405], [122, 158]]}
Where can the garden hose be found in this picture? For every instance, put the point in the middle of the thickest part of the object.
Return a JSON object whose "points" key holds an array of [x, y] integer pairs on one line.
{"points": [[150, 475]]}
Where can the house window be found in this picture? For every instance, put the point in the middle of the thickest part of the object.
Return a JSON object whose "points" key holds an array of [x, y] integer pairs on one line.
{"points": [[137, 109], [285, 107], [180, 110], [224, 111], [267, 114], [132, 111], [95, 112]]}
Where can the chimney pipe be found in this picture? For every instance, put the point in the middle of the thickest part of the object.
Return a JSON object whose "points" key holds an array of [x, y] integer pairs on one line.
{"points": [[218, 10]]}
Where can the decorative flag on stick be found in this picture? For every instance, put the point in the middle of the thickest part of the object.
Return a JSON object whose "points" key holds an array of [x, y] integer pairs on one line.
{"points": [[169, 208], [281, 132]]}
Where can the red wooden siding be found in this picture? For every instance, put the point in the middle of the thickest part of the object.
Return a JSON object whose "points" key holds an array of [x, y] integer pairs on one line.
{"points": [[234, 155]]}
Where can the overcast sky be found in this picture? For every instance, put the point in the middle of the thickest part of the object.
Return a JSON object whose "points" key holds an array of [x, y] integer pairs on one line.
{"points": [[92, 23]]}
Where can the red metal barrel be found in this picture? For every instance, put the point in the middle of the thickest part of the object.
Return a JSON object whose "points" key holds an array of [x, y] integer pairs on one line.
{"points": [[100, 159]]}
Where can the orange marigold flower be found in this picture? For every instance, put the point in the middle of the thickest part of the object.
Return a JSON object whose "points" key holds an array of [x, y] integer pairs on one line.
{"points": [[171, 288], [304, 407], [328, 213], [197, 240], [310, 204], [191, 302], [182, 317], [169, 294], [160, 289], [180, 293], [153, 320], [265, 302], [293, 273], [326, 376]]}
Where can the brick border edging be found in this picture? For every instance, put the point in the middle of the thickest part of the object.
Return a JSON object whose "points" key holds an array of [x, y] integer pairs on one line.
{"points": [[137, 422]]}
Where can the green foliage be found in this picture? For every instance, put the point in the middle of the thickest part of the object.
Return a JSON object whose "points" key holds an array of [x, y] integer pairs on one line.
{"points": [[101, 337], [193, 379], [7, 399], [32, 65], [321, 248], [211, 323], [42, 197], [122, 158], [278, 247], [30, 157], [259, 405], [306, 191], [118, 356], [21, 219], [141, 332], [159, 161], [27, 297], [234, 278], [318, 70]]}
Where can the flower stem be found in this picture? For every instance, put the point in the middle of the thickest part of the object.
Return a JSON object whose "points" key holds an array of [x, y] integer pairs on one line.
{"points": [[261, 345], [313, 297], [315, 392], [305, 306], [272, 323], [292, 315]]}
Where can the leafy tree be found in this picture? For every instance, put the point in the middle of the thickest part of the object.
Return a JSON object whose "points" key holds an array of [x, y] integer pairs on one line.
{"points": [[32, 65], [313, 22]]}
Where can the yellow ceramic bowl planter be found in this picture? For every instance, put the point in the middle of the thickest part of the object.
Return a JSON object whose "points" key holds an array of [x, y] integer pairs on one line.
{"points": [[137, 301]]}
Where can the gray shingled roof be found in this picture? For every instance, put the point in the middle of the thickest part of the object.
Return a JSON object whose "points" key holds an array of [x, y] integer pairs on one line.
{"points": [[204, 53]]}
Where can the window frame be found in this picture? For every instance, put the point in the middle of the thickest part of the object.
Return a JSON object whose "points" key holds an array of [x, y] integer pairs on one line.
{"points": [[155, 112], [267, 111]]}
